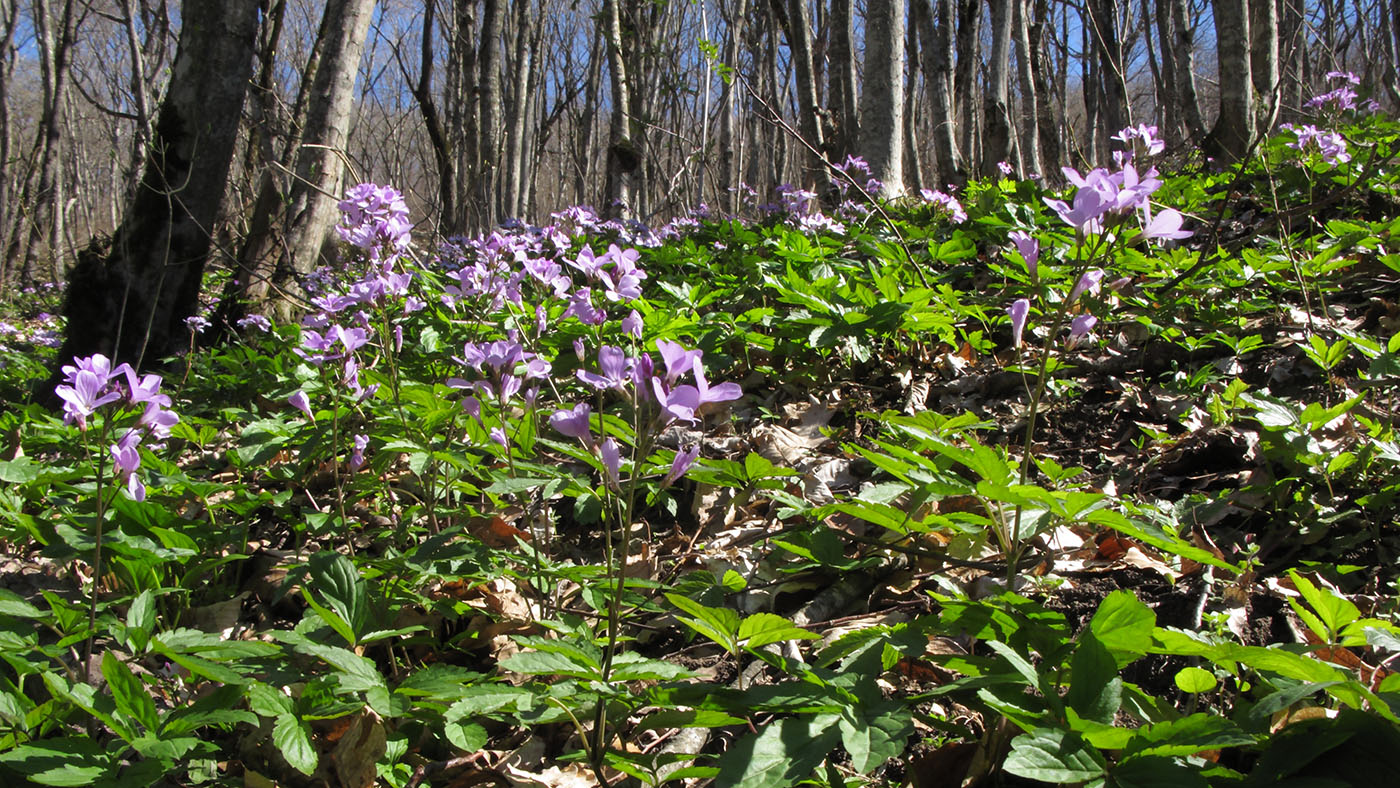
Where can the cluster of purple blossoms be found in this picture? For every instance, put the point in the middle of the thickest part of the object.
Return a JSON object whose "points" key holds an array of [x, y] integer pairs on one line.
{"points": [[375, 218], [92, 383], [502, 369], [857, 169], [1328, 145], [945, 202], [1101, 195], [336, 343], [638, 378]]}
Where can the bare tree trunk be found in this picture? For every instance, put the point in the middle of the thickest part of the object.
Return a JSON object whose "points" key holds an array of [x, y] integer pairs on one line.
{"points": [[44, 197], [730, 130], [1234, 129], [913, 169], [882, 96], [443, 155], [965, 77], [624, 157], [1166, 90], [584, 152], [1263, 62], [131, 302], [513, 188], [1103, 17], [1186, 72], [797, 29], [1025, 79], [1048, 127], [841, 80], [934, 18], [485, 169], [996, 138], [272, 263], [9, 21]]}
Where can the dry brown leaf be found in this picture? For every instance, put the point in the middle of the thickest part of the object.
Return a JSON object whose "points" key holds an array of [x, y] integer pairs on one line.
{"points": [[358, 750]]}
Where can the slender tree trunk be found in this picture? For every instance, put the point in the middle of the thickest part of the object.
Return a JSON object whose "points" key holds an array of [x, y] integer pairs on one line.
{"points": [[996, 138], [624, 157], [1166, 91], [131, 302], [1186, 72], [965, 76], [913, 169], [45, 200], [513, 197], [1046, 123], [841, 80], [730, 130], [1103, 16], [1234, 129], [882, 96], [797, 29], [9, 19], [272, 263], [1263, 62], [443, 155], [486, 169], [934, 18], [585, 170]]}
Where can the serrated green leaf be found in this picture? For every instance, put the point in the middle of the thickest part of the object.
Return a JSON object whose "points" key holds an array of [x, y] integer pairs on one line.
{"points": [[292, 738], [15, 606], [1095, 690], [761, 629], [1188, 736], [780, 754], [129, 693], [690, 718], [1155, 771], [875, 733], [1124, 625], [720, 625], [334, 578], [68, 761], [545, 663], [468, 738], [1054, 756]]}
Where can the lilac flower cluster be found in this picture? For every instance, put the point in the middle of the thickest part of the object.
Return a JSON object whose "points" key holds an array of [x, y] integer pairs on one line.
{"points": [[92, 383], [636, 378], [1330, 146], [502, 368], [375, 218], [1102, 200], [945, 202], [858, 170]]}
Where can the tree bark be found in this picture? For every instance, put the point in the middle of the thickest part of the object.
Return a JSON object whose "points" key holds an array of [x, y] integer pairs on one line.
{"points": [[130, 302], [624, 156], [996, 138], [271, 264], [965, 76], [841, 81], [1234, 129], [1184, 53], [882, 96], [1263, 62], [1046, 122], [934, 18], [797, 29]]}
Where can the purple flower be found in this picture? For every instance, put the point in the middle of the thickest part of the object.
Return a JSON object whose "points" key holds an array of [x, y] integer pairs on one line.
{"points": [[947, 202], [1088, 282], [127, 460], [632, 324], [301, 403], [1029, 248], [357, 455], [1165, 225], [143, 389], [498, 435], [87, 387], [679, 404], [375, 217], [573, 423], [1089, 205], [1019, 310], [724, 392], [612, 462], [1080, 328], [196, 323], [682, 462], [678, 360], [1005, 168], [581, 306], [613, 363], [258, 322], [158, 420]]}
